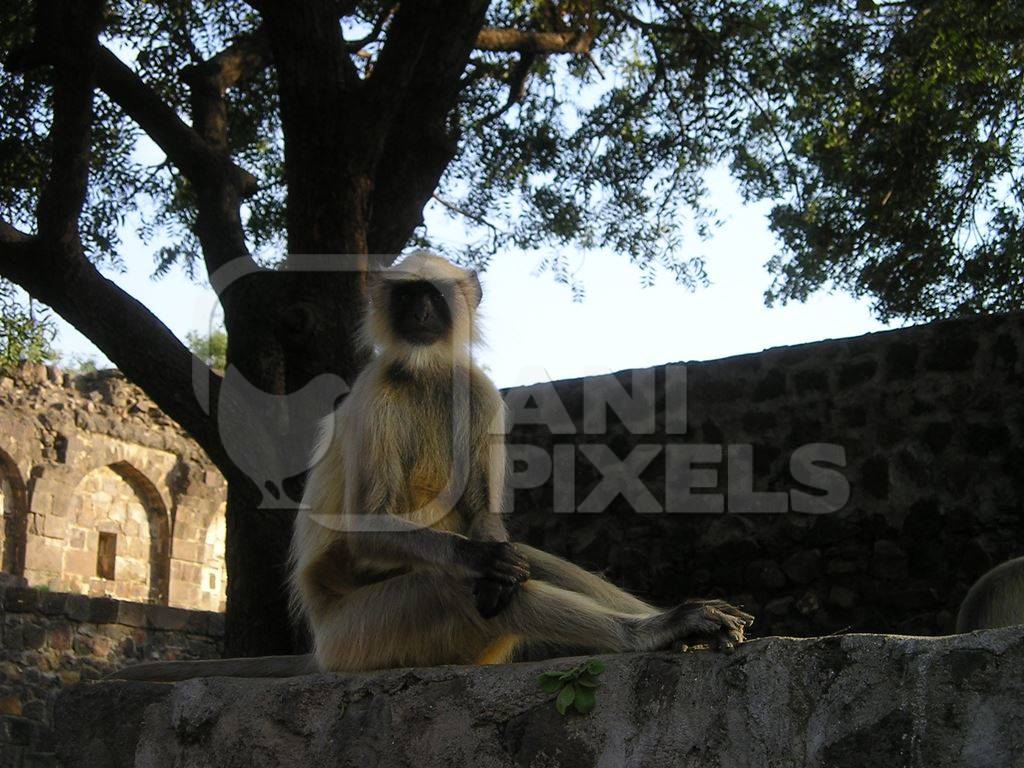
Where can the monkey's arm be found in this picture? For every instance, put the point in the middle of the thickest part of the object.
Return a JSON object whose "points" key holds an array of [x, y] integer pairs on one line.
{"points": [[393, 540], [482, 504]]}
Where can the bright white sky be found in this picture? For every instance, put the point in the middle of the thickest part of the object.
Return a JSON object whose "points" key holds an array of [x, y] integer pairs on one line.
{"points": [[536, 332]]}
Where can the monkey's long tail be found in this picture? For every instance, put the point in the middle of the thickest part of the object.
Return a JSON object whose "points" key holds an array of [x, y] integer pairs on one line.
{"points": [[259, 666]]}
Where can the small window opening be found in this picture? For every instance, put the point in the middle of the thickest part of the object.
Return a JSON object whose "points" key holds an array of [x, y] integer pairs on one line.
{"points": [[106, 556]]}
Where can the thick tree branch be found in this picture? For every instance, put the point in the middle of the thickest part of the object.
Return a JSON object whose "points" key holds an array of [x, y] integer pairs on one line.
{"points": [[246, 57], [515, 40], [126, 332], [69, 30], [249, 54], [219, 183], [182, 145], [10, 235], [325, 137], [243, 59], [418, 141]]}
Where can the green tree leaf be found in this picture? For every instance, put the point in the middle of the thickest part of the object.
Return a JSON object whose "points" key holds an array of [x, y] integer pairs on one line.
{"points": [[583, 701], [550, 684], [565, 698], [211, 348]]}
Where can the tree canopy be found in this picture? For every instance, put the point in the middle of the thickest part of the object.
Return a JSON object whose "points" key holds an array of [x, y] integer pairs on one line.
{"points": [[211, 348], [25, 333], [887, 134]]}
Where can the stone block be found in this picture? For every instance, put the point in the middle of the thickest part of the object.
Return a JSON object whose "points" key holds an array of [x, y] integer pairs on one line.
{"points": [[10, 704], [188, 550], [77, 607], [59, 637], [803, 567], [79, 562], [103, 610], [842, 597], [43, 555], [165, 617], [51, 603], [55, 527], [42, 503], [857, 374], [16, 730], [216, 624], [33, 636], [20, 599], [131, 614]]}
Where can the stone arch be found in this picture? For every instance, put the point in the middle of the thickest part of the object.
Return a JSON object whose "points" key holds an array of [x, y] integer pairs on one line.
{"points": [[147, 463], [121, 500], [13, 516]]}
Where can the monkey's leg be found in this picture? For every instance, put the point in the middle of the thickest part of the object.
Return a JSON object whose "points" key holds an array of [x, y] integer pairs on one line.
{"points": [[422, 619], [542, 611], [561, 573], [416, 619]]}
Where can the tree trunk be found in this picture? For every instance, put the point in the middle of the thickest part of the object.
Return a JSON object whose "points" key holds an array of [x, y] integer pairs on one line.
{"points": [[292, 336], [257, 620]]}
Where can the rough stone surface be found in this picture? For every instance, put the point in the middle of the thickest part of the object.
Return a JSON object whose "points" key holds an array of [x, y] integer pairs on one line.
{"points": [[836, 702]]}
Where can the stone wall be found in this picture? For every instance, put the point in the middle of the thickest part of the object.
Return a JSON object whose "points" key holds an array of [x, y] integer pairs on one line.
{"points": [[930, 420], [836, 702], [51, 641], [90, 455]]}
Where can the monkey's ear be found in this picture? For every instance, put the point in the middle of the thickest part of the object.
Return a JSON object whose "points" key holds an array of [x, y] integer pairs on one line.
{"points": [[475, 288]]}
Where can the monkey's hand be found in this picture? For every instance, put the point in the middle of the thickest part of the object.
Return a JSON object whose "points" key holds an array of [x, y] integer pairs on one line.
{"points": [[492, 597], [497, 561]]}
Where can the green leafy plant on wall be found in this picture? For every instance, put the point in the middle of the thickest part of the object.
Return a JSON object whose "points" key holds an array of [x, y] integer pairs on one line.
{"points": [[575, 687], [26, 332]]}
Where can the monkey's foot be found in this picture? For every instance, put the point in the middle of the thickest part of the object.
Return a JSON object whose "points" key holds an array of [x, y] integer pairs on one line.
{"points": [[716, 623]]}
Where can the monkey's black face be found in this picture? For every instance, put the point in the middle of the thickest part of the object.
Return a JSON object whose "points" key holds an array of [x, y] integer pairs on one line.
{"points": [[420, 312]]}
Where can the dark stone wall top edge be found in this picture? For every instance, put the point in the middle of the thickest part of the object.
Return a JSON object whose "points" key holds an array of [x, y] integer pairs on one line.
{"points": [[805, 348], [106, 610]]}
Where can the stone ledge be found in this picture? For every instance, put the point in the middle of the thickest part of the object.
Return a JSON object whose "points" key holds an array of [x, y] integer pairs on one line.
{"points": [[106, 610], [844, 701]]}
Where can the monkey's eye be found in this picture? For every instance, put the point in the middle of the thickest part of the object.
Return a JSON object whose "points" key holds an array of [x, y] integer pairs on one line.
{"points": [[447, 291]]}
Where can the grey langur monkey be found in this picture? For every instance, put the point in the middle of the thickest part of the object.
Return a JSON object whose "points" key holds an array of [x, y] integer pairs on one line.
{"points": [[399, 555], [995, 600]]}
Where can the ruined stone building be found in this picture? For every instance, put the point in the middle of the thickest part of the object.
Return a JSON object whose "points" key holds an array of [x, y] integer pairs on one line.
{"points": [[103, 495]]}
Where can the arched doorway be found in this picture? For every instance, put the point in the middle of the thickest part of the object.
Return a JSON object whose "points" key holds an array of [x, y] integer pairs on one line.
{"points": [[118, 537], [14, 520]]}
